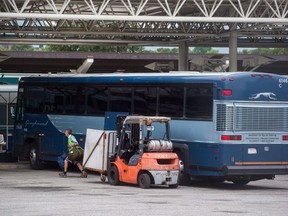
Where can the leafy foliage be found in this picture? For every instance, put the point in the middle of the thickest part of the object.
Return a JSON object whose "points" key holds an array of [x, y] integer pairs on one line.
{"points": [[2, 48], [266, 51], [203, 50], [104, 49], [24, 47]]}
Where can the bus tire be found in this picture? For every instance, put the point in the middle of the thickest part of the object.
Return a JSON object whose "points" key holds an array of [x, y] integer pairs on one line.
{"points": [[113, 176], [34, 157], [240, 182], [144, 180]]}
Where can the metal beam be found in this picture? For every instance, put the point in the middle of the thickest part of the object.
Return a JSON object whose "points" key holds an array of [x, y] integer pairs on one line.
{"points": [[274, 20], [223, 43], [85, 65]]}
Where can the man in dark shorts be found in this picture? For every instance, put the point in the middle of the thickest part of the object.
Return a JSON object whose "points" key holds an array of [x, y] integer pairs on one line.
{"points": [[71, 143]]}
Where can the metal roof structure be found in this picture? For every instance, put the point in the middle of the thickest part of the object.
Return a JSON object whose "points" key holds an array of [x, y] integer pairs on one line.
{"points": [[45, 62], [258, 23]]}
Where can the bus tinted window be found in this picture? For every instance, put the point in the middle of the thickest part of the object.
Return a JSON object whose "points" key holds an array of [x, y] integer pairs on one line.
{"points": [[74, 100], [120, 99], [97, 100], [171, 101], [145, 100], [34, 98], [199, 102], [54, 100]]}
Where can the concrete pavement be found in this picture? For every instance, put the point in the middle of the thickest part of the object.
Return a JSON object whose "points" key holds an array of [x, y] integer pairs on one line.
{"points": [[29, 192]]}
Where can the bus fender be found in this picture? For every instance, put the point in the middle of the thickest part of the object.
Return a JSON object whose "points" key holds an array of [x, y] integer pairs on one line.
{"points": [[182, 150], [29, 141]]}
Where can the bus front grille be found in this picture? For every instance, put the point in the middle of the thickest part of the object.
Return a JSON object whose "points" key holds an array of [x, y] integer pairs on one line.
{"points": [[251, 117]]}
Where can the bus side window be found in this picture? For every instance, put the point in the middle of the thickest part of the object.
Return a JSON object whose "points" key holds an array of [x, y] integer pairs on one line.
{"points": [[120, 99], [171, 101], [97, 100], [75, 100], [145, 100], [54, 100], [199, 102], [34, 99]]}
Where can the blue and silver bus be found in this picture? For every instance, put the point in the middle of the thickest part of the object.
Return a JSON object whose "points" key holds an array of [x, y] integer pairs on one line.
{"points": [[225, 126], [8, 96]]}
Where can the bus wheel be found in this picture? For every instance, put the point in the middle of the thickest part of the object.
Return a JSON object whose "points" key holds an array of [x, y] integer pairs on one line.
{"points": [[240, 182], [113, 175], [144, 181], [34, 156]]}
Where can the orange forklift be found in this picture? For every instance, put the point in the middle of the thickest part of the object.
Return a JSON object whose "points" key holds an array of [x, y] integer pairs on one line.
{"points": [[143, 153]]}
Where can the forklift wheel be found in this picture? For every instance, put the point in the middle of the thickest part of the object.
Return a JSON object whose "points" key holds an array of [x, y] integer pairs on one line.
{"points": [[113, 176], [144, 180], [173, 186]]}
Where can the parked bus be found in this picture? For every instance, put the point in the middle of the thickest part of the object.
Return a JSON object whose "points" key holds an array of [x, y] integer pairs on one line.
{"points": [[8, 96], [225, 126]]}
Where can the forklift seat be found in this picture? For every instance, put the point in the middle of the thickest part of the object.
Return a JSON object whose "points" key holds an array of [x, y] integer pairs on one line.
{"points": [[133, 161]]}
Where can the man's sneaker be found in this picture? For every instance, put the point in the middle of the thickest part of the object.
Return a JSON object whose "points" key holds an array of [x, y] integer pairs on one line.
{"points": [[84, 174], [63, 175]]}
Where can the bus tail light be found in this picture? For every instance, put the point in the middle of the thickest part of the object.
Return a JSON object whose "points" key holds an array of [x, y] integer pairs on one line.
{"points": [[226, 92], [231, 137], [285, 138]]}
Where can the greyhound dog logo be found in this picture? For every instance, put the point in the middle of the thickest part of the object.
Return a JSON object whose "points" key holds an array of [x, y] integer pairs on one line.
{"points": [[269, 95]]}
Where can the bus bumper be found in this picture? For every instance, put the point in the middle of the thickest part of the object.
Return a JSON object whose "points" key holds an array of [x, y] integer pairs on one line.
{"points": [[256, 170]]}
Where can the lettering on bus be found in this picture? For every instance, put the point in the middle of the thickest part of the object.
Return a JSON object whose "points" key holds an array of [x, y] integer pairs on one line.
{"points": [[262, 138], [282, 81], [35, 123]]}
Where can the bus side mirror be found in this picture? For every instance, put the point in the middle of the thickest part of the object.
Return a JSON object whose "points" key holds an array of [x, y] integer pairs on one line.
{"points": [[12, 112]]}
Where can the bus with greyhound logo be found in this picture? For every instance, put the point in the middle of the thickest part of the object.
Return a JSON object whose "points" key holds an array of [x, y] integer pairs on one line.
{"points": [[224, 127], [8, 97]]}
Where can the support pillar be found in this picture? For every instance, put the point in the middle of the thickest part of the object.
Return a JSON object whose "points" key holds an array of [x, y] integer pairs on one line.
{"points": [[233, 52], [183, 56]]}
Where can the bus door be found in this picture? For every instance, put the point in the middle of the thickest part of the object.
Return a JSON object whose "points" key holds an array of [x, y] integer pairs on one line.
{"points": [[111, 120], [112, 126], [18, 136]]}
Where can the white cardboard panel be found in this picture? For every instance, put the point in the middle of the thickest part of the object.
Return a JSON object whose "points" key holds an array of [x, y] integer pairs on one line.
{"points": [[97, 160]]}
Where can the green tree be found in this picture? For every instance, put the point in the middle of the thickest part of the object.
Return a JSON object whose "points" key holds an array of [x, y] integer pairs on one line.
{"points": [[20, 47], [2, 48], [244, 51], [203, 50], [266, 51], [167, 50], [59, 48], [106, 49]]}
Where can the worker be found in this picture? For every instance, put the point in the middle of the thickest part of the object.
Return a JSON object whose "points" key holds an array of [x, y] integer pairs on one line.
{"points": [[72, 143]]}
